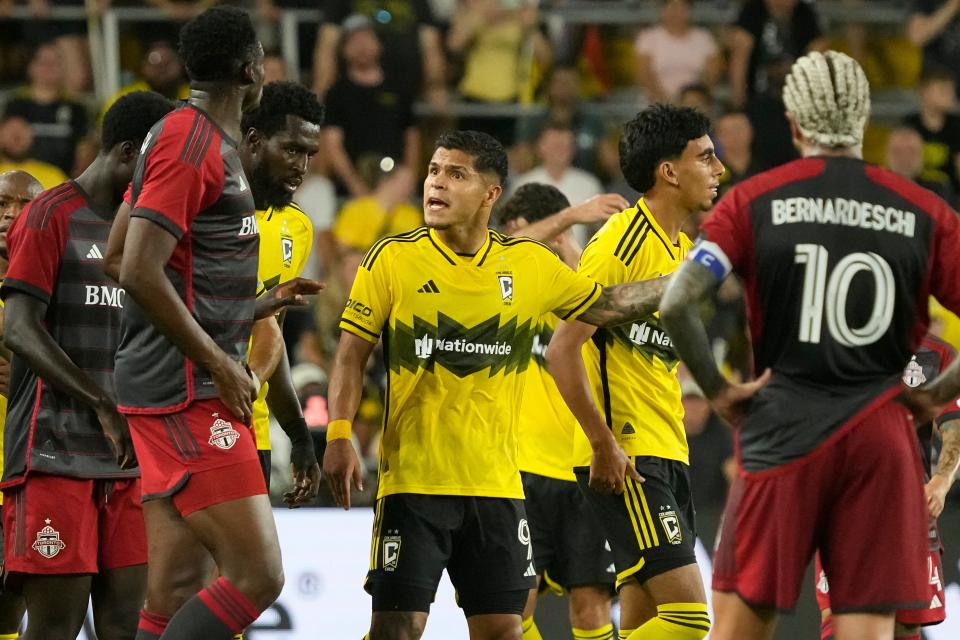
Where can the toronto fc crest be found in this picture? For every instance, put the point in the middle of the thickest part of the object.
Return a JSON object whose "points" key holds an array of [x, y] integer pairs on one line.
{"points": [[913, 374], [222, 433], [48, 543]]}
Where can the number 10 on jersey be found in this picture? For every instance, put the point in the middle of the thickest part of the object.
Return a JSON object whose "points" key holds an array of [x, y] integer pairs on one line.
{"points": [[825, 295]]}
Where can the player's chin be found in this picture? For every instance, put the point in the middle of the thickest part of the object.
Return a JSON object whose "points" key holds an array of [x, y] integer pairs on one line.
{"points": [[435, 221]]}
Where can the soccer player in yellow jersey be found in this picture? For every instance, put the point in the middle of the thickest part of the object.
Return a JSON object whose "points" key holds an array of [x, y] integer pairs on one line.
{"points": [[570, 551], [624, 390], [457, 305], [279, 138], [17, 188]]}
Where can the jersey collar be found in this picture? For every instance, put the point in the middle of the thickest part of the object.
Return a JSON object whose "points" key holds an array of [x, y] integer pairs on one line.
{"points": [[471, 261], [657, 229]]}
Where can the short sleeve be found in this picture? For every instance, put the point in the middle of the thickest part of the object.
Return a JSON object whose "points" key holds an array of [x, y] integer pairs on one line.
{"points": [[725, 238], [371, 299], [357, 223], [945, 268], [35, 248], [567, 292], [173, 191], [599, 264]]}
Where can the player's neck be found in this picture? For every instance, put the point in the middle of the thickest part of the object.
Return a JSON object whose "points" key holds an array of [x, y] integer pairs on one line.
{"points": [[223, 105], [464, 239], [98, 183], [670, 215], [809, 151]]}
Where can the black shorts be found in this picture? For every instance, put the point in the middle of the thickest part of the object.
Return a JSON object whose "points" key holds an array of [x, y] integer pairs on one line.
{"points": [[569, 548], [483, 543], [265, 465], [652, 526]]}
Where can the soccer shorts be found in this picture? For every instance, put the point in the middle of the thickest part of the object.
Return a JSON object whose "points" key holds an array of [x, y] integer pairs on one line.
{"points": [[266, 465], [200, 456], [58, 525], [569, 548], [651, 527], [858, 498], [483, 543]]}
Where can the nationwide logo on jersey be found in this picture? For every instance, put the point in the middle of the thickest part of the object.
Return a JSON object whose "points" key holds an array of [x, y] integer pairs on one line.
{"points": [[541, 340], [461, 350], [671, 526], [391, 552], [222, 433], [48, 543], [286, 250], [647, 338], [913, 373]]}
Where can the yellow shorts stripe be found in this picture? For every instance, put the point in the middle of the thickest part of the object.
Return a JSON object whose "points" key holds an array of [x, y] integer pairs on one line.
{"points": [[646, 511], [375, 545], [636, 519]]}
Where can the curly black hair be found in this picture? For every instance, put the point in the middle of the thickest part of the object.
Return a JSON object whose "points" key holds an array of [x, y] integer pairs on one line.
{"points": [[533, 201], [487, 153], [659, 132], [279, 100], [131, 117], [216, 43]]}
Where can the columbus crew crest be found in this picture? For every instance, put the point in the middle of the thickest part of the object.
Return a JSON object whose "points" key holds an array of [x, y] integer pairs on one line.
{"points": [[48, 542], [286, 250], [222, 433], [913, 373]]}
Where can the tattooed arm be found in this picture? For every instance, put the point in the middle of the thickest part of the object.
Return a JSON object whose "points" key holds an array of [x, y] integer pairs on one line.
{"points": [[680, 315], [936, 490], [620, 303]]}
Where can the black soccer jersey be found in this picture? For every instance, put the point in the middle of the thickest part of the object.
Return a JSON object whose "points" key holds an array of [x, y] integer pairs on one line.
{"points": [[56, 254], [838, 259]]}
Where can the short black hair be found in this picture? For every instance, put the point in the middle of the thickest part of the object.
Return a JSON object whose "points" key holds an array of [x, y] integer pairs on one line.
{"points": [[936, 73], [659, 132], [279, 100], [533, 201], [216, 43], [487, 153], [131, 117]]}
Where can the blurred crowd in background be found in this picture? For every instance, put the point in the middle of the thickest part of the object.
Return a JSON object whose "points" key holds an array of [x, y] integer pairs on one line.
{"points": [[551, 80]]}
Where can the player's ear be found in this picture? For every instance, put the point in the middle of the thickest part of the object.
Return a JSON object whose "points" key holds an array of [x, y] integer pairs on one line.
{"points": [[668, 172], [494, 191], [253, 139], [129, 151]]}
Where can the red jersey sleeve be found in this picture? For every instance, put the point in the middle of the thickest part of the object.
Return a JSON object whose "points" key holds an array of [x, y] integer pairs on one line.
{"points": [[178, 182], [945, 259], [35, 244], [727, 236]]}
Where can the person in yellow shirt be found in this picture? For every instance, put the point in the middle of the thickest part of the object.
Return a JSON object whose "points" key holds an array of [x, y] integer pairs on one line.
{"points": [[160, 71], [17, 188], [570, 551], [621, 383], [457, 305], [385, 212], [16, 139]]}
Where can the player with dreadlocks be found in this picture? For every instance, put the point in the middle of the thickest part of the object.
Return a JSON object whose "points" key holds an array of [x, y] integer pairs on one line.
{"points": [[839, 258]]}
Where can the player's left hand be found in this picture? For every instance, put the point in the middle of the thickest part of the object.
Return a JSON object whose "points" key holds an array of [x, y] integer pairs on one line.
{"points": [[732, 401], [935, 492], [306, 475], [288, 294]]}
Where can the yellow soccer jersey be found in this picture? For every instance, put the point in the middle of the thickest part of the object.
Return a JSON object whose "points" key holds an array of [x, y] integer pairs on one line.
{"points": [[457, 334], [546, 424], [286, 239], [633, 367], [363, 221]]}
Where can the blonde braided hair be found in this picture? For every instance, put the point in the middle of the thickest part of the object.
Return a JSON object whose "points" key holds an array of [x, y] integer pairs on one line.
{"points": [[828, 96]]}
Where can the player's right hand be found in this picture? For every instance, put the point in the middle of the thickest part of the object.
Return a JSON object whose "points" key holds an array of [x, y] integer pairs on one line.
{"points": [[287, 294], [117, 432], [609, 467], [935, 491], [733, 400], [599, 208], [235, 387], [341, 466]]}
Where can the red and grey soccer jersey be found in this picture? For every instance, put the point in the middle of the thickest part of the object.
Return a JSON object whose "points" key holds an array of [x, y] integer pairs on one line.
{"points": [[56, 255], [838, 258], [189, 181], [933, 356]]}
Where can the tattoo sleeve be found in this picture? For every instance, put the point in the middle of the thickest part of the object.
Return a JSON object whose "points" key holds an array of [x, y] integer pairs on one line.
{"points": [[950, 450], [680, 315], [620, 303]]}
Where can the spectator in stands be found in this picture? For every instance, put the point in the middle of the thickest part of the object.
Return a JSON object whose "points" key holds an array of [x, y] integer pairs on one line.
{"points": [[58, 122], [16, 141], [368, 111], [70, 36], [317, 196], [698, 96], [935, 26], [733, 135], [904, 156], [938, 126], [564, 106], [160, 71], [386, 211], [556, 148], [712, 465], [502, 47], [672, 54], [767, 114], [411, 42], [769, 31]]}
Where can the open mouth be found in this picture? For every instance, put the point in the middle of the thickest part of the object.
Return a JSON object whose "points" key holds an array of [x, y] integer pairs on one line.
{"points": [[292, 184], [435, 204]]}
